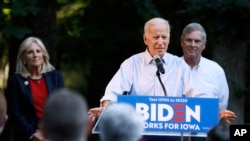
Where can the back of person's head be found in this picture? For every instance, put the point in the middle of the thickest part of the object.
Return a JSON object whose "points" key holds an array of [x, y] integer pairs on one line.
{"points": [[121, 122], [219, 132], [194, 27], [3, 111], [65, 116]]}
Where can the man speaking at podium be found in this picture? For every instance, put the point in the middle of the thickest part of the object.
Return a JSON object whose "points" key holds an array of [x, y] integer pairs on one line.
{"points": [[154, 72]]}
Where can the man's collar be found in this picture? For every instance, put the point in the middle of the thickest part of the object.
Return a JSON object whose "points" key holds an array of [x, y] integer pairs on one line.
{"points": [[150, 59]]}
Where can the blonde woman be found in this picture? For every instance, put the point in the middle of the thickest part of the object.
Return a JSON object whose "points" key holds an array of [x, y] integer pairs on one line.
{"points": [[29, 88]]}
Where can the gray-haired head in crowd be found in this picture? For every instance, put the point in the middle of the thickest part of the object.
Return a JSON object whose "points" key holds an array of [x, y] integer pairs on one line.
{"points": [[121, 122], [65, 116]]}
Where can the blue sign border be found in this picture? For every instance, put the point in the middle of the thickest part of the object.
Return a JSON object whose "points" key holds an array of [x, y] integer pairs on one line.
{"points": [[209, 113]]}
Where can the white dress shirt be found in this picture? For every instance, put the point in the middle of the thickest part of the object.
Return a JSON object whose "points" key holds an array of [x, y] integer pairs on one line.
{"points": [[208, 80], [137, 76]]}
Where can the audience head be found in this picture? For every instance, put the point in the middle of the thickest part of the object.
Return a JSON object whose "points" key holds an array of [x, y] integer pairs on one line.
{"points": [[157, 36], [219, 132], [24, 56], [121, 122], [3, 111], [65, 116]]}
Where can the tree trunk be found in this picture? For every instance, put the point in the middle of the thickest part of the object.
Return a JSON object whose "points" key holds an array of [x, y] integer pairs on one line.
{"points": [[231, 55], [43, 25]]}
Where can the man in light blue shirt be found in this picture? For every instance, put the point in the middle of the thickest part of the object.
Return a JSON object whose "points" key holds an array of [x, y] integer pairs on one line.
{"points": [[139, 74]]}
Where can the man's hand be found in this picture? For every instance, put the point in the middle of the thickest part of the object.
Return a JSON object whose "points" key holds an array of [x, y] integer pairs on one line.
{"points": [[95, 113], [227, 115]]}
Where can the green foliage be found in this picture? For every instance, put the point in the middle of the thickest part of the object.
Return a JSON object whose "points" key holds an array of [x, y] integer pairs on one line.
{"points": [[18, 32], [24, 7], [227, 17], [74, 76], [70, 43], [12, 9]]}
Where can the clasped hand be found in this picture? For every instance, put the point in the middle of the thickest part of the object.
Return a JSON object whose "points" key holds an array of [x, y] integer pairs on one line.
{"points": [[227, 115]]}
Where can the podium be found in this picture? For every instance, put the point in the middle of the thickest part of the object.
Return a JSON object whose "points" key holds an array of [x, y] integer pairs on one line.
{"points": [[173, 116]]}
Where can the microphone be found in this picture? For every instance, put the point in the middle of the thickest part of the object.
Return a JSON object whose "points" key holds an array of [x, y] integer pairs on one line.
{"points": [[159, 64]]}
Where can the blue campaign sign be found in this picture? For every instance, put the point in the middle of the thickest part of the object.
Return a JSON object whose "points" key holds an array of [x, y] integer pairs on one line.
{"points": [[175, 114]]}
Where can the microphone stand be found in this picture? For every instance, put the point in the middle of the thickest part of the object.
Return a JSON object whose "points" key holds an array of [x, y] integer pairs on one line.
{"points": [[158, 75]]}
